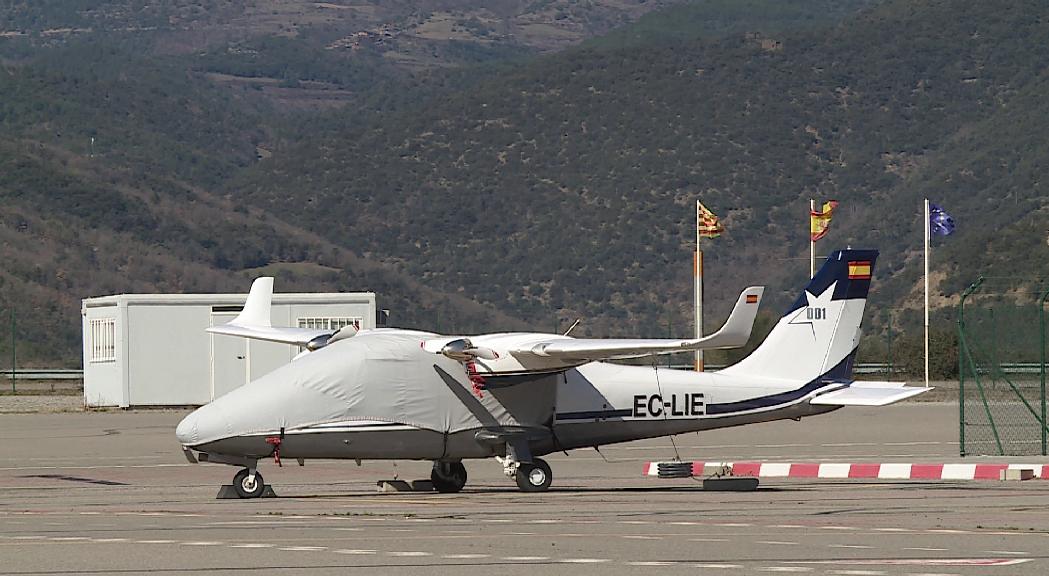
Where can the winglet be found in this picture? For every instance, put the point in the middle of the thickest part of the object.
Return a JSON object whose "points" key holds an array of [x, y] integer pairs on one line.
{"points": [[736, 330], [256, 310]]}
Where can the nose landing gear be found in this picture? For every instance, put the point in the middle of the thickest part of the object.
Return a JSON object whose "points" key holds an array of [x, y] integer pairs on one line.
{"points": [[248, 484]]}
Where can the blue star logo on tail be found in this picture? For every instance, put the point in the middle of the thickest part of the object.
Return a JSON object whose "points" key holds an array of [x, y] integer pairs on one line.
{"points": [[815, 313]]}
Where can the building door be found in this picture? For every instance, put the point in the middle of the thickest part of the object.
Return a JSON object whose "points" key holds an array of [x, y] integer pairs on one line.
{"points": [[229, 358]]}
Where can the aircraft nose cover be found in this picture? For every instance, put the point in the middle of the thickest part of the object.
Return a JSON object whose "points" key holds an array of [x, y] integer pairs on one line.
{"points": [[186, 432], [374, 376]]}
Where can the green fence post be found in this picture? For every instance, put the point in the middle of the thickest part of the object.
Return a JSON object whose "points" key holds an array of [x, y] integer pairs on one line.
{"points": [[1041, 327], [890, 344], [961, 364], [13, 358]]}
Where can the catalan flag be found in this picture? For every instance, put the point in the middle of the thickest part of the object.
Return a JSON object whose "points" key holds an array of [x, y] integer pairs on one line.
{"points": [[708, 224], [819, 221]]}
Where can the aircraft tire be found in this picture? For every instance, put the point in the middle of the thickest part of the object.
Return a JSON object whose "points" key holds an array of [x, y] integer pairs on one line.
{"points": [[448, 477], [245, 488], [534, 476]]}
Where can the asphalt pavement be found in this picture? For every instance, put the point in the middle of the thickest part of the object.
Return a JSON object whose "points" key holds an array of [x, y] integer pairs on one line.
{"points": [[110, 493]]}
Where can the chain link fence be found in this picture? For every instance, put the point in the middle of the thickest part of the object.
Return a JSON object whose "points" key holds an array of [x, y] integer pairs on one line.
{"points": [[1001, 368]]}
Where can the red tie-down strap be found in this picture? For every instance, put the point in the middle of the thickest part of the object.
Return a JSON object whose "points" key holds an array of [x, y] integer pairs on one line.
{"points": [[475, 378], [275, 441]]}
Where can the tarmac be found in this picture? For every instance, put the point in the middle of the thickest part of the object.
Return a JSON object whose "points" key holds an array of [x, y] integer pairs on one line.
{"points": [[111, 493]]}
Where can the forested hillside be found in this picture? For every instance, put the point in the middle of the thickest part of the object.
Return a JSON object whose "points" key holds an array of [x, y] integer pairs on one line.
{"points": [[186, 147], [567, 184]]}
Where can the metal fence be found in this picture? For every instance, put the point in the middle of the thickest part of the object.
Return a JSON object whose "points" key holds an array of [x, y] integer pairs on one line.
{"points": [[1002, 325]]}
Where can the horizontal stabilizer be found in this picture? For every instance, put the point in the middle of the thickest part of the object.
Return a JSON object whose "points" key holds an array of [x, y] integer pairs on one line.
{"points": [[869, 394], [733, 334]]}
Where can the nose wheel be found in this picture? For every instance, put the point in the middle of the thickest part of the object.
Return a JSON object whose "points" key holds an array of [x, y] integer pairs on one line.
{"points": [[448, 476], [248, 484], [534, 476]]}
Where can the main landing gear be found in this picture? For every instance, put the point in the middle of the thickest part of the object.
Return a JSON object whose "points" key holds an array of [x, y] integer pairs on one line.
{"points": [[534, 476], [448, 477]]}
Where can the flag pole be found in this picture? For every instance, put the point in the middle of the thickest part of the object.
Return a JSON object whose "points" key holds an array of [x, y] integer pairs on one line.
{"points": [[926, 292], [697, 275], [812, 243]]}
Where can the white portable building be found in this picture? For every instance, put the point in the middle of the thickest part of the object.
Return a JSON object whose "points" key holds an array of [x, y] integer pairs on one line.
{"points": [[152, 349]]}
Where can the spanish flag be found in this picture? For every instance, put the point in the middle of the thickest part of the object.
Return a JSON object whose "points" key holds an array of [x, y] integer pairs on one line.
{"points": [[708, 224], [819, 222]]}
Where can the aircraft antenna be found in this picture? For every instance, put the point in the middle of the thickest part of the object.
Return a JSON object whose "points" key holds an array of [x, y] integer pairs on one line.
{"points": [[659, 388], [572, 327]]}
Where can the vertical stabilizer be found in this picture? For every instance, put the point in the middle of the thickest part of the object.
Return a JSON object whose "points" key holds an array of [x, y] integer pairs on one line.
{"points": [[818, 335]]}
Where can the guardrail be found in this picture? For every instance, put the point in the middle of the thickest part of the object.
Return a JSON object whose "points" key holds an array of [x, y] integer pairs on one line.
{"points": [[43, 374]]}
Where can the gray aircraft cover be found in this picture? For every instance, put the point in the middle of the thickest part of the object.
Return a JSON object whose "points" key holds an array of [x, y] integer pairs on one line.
{"points": [[381, 375]]}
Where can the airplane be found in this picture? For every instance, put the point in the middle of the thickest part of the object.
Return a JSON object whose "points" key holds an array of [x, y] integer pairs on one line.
{"points": [[405, 394]]}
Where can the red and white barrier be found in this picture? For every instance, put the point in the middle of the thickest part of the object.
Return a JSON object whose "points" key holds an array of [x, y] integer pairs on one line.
{"points": [[868, 470]]}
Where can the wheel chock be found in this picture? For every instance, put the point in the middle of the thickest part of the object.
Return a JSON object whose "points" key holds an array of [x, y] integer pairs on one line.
{"points": [[228, 492]]}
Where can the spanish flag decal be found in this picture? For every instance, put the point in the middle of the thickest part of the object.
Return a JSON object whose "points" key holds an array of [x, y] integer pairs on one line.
{"points": [[752, 298], [860, 270]]}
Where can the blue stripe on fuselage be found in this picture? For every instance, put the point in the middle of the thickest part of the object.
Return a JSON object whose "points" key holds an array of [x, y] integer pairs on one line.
{"points": [[840, 373]]}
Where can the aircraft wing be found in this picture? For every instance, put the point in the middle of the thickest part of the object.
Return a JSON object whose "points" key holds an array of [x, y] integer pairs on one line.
{"points": [[254, 320], [861, 393], [733, 334]]}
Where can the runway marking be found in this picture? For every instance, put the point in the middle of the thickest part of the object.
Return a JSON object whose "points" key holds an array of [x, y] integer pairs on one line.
{"points": [[583, 560], [652, 563], [520, 533], [718, 566], [639, 537], [202, 543], [708, 539], [524, 558], [946, 531], [106, 540], [1007, 552], [858, 572], [154, 541], [733, 525], [544, 521], [786, 526], [838, 528], [893, 530], [777, 543], [303, 548], [921, 562], [409, 554], [685, 523], [926, 549], [69, 538], [785, 569], [28, 537], [464, 556], [635, 522], [355, 552], [857, 546], [251, 545]]}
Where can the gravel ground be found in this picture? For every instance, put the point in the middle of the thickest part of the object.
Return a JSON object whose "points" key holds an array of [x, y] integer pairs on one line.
{"points": [[41, 404]]}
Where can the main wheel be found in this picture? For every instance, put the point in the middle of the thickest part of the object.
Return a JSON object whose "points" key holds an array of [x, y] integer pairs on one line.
{"points": [[448, 476], [246, 486], [534, 476]]}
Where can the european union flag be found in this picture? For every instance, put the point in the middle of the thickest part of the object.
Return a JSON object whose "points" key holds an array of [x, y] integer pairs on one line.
{"points": [[940, 222]]}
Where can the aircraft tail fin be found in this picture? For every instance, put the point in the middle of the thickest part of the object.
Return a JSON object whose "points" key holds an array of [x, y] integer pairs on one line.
{"points": [[819, 334]]}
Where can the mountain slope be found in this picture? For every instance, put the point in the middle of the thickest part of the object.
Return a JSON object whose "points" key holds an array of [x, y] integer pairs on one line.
{"points": [[567, 184]]}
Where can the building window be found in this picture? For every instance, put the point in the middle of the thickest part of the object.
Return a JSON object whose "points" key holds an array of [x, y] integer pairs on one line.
{"points": [[333, 324], [103, 340]]}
